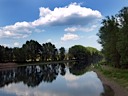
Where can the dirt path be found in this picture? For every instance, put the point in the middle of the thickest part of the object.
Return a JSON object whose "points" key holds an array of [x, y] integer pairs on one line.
{"points": [[118, 90]]}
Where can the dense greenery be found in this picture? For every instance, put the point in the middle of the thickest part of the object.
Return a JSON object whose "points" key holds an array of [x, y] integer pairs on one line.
{"points": [[62, 53], [78, 52], [87, 54], [114, 39], [49, 52], [32, 51]]}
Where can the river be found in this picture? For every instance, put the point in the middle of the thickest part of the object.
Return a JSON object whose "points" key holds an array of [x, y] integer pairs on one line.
{"points": [[63, 79]]}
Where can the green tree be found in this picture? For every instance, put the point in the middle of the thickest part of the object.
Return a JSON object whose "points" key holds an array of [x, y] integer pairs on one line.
{"points": [[123, 36], [6, 54], [62, 53], [94, 55], [1, 53], [32, 50], [55, 55], [49, 52], [114, 36], [78, 52], [19, 55], [108, 35]]}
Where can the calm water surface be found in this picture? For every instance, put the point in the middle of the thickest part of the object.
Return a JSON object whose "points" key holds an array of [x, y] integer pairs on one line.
{"points": [[68, 79]]}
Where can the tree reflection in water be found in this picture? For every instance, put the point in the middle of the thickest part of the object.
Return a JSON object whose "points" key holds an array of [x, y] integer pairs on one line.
{"points": [[78, 67], [32, 76]]}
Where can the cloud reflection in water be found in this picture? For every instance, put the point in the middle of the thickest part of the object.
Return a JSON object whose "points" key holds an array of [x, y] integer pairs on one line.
{"points": [[85, 85]]}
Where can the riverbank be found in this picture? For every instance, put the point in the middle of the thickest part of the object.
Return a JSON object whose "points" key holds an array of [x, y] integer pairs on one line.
{"points": [[14, 65], [114, 78], [7, 65]]}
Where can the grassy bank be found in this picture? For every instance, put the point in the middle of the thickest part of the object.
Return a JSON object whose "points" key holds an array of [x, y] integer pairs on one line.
{"points": [[118, 75]]}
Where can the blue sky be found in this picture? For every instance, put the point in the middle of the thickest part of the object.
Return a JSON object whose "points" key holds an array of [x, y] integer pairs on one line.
{"points": [[62, 22]]}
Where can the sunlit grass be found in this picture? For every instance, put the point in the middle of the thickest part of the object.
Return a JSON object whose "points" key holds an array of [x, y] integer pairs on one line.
{"points": [[118, 75]]}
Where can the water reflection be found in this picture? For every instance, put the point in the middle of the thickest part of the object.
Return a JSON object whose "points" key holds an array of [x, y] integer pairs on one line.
{"points": [[78, 68], [65, 79], [30, 75]]}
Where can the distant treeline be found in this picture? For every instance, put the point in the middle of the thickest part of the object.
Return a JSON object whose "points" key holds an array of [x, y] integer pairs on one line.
{"points": [[114, 38], [88, 54], [32, 51]]}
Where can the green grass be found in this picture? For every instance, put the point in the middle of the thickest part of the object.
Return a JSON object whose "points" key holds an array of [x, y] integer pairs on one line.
{"points": [[118, 75]]}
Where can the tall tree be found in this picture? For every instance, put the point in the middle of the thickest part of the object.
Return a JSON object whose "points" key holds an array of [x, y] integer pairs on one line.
{"points": [[55, 54], [32, 49], [62, 53], [123, 36], [19, 55], [1, 53], [6, 54], [78, 52], [108, 39], [49, 51]]}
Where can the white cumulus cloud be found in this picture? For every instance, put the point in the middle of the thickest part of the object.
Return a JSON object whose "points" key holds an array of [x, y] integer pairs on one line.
{"points": [[73, 14], [69, 36], [18, 30], [38, 30], [71, 29], [79, 28]]}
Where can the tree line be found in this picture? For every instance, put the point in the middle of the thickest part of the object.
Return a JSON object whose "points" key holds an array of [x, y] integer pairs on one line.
{"points": [[113, 36], [32, 51]]}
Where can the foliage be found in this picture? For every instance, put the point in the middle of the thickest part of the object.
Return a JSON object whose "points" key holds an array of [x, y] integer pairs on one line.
{"points": [[122, 43], [1, 53], [49, 52], [94, 55], [78, 52], [108, 38], [6, 54], [113, 37], [87, 54], [31, 51], [62, 53], [19, 55]]}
